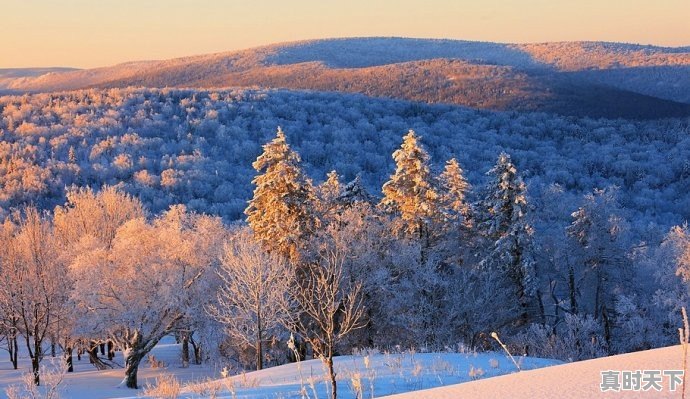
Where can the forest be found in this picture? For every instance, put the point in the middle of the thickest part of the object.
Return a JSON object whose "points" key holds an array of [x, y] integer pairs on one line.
{"points": [[133, 214]]}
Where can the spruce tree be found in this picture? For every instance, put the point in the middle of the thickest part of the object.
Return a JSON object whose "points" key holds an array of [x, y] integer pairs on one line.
{"points": [[281, 213], [503, 223], [354, 192], [454, 193], [411, 193]]}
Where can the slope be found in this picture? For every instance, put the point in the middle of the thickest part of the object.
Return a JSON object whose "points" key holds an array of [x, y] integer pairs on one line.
{"points": [[579, 380]]}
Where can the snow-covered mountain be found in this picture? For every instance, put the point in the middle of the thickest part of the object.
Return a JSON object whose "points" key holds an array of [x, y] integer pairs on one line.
{"points": [[573, 78]]}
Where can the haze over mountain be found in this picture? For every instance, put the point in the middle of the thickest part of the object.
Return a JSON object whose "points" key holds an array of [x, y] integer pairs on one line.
{"points": [[572, 78]]}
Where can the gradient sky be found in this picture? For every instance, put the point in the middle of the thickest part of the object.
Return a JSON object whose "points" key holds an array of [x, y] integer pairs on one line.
{"points": [[90, 33]]}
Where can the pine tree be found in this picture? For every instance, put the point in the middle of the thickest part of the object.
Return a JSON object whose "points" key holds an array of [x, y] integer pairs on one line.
{"points": [[454, 194], [411, 192], [503, 222], [281, 213]]}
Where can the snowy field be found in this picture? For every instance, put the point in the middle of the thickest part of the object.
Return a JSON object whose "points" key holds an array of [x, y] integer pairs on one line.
{"points": [[385, 374]]}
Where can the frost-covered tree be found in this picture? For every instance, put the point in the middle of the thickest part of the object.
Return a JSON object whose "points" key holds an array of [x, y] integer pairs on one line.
{"points": [[157, 275], [35, 285], [679, 238], [670, 264], [354, 193], [598, 232], [90, 216], [329, 307], [282, 210], [364, 235], [454, 189], [329, 190], [9, 317], [411, 192], [252, 297], [97, 214], [504, 225]]}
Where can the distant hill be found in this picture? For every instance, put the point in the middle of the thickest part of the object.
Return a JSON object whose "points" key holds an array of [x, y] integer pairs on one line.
{"points": [[573, 78], [16, 77], [10, 73]]}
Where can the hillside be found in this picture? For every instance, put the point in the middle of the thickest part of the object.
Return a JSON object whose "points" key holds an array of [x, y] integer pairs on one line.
{"points": [[579, 380], [576, 78]]}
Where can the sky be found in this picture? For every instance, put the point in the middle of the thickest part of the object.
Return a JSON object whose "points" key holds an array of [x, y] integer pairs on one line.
{"points": [[92, 33]]}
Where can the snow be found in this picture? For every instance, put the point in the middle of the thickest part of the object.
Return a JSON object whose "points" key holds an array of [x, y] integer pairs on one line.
{"points": [[88, 383], [405, 376], [391, 373], [573, 380]]}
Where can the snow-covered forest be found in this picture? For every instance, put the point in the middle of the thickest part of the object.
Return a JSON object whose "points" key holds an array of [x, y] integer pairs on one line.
{"points": [[196, 147], [262, 227]]}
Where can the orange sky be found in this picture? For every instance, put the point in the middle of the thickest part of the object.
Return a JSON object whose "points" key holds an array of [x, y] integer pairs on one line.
{"points": [[90, 33]]}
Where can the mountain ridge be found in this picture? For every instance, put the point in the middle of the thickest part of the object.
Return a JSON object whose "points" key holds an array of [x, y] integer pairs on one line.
{"points": [[645, 81]]}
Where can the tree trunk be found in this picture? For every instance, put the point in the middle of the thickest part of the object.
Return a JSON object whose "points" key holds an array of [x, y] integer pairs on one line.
{"points": [[132, 359], [331, 375], [13, 349], [111, 350], [197, 353], [185, 349], [35, 369], [36, 358], [597, 298], [259, 349], [572, 289], [68, 360], [196, 348], [542, 312], [93, 352], [15, 352], [259, 357]]}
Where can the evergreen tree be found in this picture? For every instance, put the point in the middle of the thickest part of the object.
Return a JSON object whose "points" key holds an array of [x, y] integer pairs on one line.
{"points": [[354, 192], [281, 213], [329, 190], [454, 194], [411, 192], [328, 193], [503, 222]]}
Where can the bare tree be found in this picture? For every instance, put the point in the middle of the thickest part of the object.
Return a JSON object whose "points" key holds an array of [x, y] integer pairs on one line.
{"points": [[329, 307], [252, 298]]}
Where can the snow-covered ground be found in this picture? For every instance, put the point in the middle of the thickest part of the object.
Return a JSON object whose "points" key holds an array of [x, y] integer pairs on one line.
{"points": [[386, 374], [406, 376], [87, 382], [579, 380]]}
